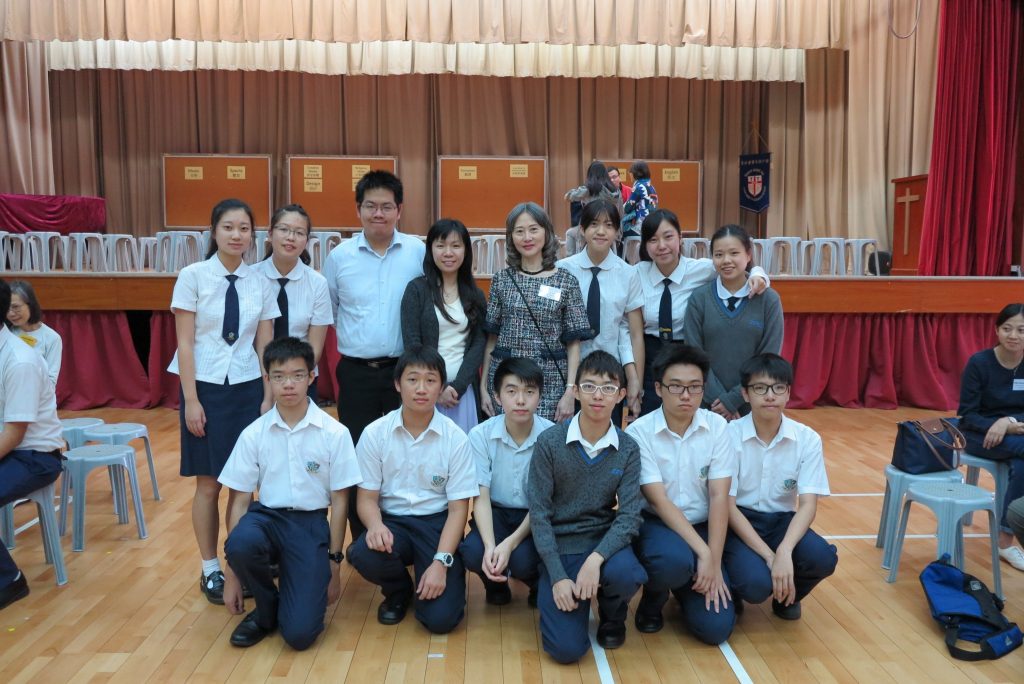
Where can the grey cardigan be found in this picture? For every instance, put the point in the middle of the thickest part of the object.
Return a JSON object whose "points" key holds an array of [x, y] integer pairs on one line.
{"points": [[419, 327]]}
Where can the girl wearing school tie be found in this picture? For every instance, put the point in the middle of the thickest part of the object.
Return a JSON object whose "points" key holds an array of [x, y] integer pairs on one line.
{"points": [[302, 295], [223, 314]]}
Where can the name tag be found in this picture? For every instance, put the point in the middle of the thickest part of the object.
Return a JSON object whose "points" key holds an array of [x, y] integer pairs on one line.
{"points": [[1018, 384], [552, 293]]}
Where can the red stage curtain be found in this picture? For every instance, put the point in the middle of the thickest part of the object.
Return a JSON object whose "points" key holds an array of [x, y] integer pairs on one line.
{"points": [[60, 213], [163, 342], [968, 216], [100, 366], [882, 360]]}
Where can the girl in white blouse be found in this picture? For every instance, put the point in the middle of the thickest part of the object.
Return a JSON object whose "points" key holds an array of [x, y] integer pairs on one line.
{"points": [[223, 317]]}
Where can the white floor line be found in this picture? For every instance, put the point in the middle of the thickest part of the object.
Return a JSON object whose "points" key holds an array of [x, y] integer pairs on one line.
{"points": [[604, 671], [860, 494], [909, 536], [734, 663]]}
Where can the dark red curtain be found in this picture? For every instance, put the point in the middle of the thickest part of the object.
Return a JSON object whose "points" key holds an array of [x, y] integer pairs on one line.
{"points": [[100, 366], [968, 215], [882, 360], [59, 213]]}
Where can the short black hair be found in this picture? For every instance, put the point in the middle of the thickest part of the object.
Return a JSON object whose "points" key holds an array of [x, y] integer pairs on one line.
{"points": [[372, 180], [678, 353], [640, 170], [601, 363], [285, 349], [5, 297], [771, 365], [1008, 312], [526, 370], [417, 355], [23, 289], [595, 209], [651, 225]]}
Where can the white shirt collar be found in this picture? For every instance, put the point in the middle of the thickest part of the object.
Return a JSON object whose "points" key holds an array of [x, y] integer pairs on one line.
{"points": [[219, 269], [5, 336], [294, 274], [748, 431], [500, 432], [655, 276], [724, 294], [610, 438], [699, 422], [435, 425], [606, 265], [314, 417]]}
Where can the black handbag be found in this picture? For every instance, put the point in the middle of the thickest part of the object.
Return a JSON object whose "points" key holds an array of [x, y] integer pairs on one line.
{"points": [[927, 446]]}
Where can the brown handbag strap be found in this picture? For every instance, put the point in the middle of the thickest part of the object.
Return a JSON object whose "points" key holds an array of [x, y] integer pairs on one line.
{"points": [[930, 437]]}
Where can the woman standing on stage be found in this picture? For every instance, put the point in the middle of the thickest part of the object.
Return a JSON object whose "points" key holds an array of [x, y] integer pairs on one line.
{"points": [[223, 313]]}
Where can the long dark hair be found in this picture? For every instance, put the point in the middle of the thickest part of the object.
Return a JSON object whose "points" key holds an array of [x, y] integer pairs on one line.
{"points": [[291, 209], [740, 233], [223, 207], [1008, 312], [464, 278], [597, 179]]}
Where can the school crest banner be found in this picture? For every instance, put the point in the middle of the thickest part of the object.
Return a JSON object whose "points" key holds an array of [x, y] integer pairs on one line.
{"points": [[754, 176]]}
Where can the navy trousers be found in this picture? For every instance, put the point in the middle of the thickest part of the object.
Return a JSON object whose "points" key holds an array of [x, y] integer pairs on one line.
{"points": [[1010, 449], [671, 564], [298, 541], [416, 540], [814, 559], [564, 634], [22, 472], [523, 564]]}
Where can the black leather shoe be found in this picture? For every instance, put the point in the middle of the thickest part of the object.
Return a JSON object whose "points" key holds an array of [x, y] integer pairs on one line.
{"points": [[391, 611], [738, 607], [611, 634], [248, 633], [648, 623], [498, 593], [531, 599], [15, 591], [212, 586], [791, 612]]}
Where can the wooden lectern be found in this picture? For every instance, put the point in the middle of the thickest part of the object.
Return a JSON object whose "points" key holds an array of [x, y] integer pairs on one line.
{"points": [[908, 217]]}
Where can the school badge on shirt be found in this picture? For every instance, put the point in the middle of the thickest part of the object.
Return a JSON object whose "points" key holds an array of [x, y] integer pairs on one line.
{"points": [[704, 473], [437, 482], [789, 484], [312, 466]]}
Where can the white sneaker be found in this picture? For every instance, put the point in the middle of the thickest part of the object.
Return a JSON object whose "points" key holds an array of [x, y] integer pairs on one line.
{"points": [[1014, 556]]}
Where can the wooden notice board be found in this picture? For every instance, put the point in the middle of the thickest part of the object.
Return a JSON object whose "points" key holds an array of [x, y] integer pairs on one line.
{"points": [[194, 183], [480, 191], [325, 186], [678, 184]]}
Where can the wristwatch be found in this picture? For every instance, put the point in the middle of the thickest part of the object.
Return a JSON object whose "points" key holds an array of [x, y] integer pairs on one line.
{"points": [[446, 558], [337, 556]]}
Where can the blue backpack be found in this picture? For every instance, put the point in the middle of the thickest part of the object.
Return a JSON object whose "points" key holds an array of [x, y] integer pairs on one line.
{"points": [[968, 611]]}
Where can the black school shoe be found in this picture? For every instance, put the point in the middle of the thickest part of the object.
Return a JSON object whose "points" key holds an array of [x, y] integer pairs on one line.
{"points": [[391, 610], [248, 633], [212, 586], [498, 593], [531, 599], [15, 591], [791, 612], [611, 634]]}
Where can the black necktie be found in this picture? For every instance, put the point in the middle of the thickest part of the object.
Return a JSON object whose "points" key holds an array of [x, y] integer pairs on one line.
{"points": [[230, 330], [594, 301], [665, 313], [281, 322], [731, 303]]}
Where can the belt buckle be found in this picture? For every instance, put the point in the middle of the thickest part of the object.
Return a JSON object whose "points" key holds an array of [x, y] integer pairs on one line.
{"points": [[374, 364]]}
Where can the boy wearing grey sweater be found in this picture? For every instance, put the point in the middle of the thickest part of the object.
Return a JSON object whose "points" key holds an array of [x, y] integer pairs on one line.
{"points": [[579, 471]]}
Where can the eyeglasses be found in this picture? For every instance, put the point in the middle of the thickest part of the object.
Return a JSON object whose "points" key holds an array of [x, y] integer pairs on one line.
{"points": [[591, 388], [281, 378], [285, 231], [760, 389], [694, 390], [372, 208]]}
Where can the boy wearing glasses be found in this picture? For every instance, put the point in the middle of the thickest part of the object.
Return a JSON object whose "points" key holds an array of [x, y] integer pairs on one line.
{"points": [[418, 478], [774, 496], [578, 473], [687, 463], [499, 546], [301, 461]]}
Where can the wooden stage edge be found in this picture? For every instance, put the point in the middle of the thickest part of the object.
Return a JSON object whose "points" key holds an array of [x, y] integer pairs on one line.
{"points": [[800, 294]]}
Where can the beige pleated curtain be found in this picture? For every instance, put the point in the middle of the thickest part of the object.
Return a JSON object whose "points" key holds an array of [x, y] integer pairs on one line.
{"points": [[862, 117]]}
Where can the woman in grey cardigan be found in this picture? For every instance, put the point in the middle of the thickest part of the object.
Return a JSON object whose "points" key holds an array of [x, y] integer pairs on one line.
{"points": [[444, 309], [728, 324]]}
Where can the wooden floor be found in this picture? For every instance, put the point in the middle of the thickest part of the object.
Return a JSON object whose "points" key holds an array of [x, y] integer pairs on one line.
{"points": [[132, 610]]}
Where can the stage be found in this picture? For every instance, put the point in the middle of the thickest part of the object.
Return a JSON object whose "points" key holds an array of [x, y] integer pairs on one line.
{"points": [[854, 341]]}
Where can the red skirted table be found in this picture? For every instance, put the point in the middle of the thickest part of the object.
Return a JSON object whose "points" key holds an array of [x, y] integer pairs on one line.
{"points": [[57, 213]]}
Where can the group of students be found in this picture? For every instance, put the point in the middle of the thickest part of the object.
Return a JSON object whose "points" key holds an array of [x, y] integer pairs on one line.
{"points": [[558, 490]]}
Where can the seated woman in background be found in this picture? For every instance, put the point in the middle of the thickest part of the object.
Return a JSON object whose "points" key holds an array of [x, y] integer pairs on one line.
{"points": [[444, 309], [728, 325], [25, 318], [992, 412]]}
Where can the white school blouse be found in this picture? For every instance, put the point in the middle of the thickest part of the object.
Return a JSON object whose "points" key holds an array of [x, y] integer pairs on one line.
{"points": [[770, 477], [620, 293], [293, 467], [684, 463], [416, 476], [309, 302], [201, 288]]}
